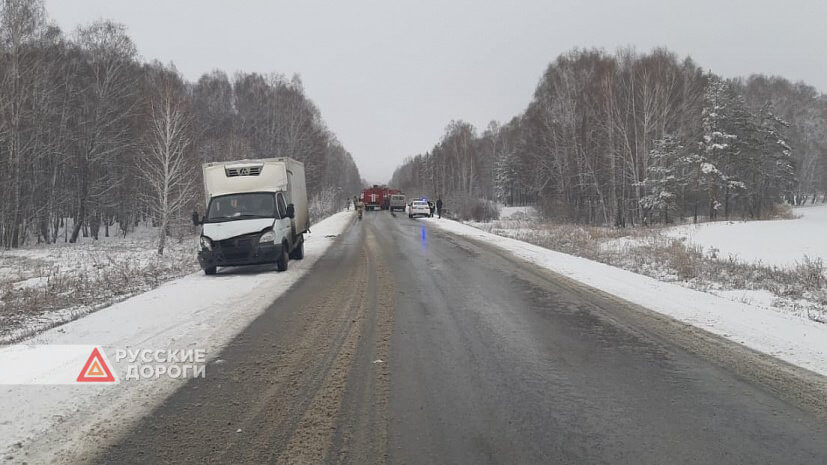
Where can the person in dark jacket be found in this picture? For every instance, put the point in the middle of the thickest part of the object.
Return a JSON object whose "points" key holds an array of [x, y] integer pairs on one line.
{"points": [[431, 207], [439, 206]]}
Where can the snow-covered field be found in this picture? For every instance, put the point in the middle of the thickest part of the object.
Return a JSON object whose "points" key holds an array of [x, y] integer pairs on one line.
{"points": [[42, 286], [41, 423], [782, 243], [796, 340]]}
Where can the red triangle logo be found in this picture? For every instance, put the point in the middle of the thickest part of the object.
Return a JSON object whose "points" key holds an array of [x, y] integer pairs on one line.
{"points": [[95, 370]]}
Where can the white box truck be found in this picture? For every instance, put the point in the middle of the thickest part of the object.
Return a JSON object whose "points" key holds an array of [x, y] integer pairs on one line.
{"points": [[256, 213]]}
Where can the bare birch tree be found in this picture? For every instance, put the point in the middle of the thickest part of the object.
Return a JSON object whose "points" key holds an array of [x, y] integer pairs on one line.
{"points": [[164, 165]]}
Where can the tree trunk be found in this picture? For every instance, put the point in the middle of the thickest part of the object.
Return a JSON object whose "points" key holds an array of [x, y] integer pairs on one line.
{"points": [[78, 225], [162, 236]]}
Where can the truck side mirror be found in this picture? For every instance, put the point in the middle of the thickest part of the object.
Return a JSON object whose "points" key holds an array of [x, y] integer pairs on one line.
{"points": [[196, 220], [291, 211]]}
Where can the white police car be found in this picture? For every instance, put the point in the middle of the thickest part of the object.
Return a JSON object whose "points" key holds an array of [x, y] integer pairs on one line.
{"points": [[419, 208]]}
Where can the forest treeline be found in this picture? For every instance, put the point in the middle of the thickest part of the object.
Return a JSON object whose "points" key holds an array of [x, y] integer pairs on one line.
{"points": [[93, 139], [628, 138]]}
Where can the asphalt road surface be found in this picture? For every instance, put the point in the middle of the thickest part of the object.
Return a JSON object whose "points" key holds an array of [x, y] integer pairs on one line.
{"points": [[409, 345]]}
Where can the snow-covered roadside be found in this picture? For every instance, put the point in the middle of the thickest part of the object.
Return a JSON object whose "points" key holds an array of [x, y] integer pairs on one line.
{"points": [[784, 271], [44, 423], [789, 338]]}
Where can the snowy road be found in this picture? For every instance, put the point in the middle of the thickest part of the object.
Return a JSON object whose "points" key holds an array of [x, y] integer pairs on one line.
{"points": [[407, 344]]}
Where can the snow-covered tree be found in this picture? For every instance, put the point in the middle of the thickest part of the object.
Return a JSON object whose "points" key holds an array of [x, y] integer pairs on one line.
{"points": [[772, 165], [668, 162], [717, 142]]}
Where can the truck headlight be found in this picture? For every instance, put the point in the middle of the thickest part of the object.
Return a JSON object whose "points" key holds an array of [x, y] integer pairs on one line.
{"points": [[206, 243], [269, 236]]}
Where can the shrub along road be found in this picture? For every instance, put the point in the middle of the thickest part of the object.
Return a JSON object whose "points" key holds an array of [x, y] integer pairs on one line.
{"points": [[407, 344]]}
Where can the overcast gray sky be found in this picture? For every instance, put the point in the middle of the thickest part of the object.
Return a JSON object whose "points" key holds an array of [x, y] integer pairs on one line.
{"points": [[389, 75]]}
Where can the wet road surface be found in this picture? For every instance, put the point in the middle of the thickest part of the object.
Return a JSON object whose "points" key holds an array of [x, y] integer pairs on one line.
{"points": [[409, 345]]}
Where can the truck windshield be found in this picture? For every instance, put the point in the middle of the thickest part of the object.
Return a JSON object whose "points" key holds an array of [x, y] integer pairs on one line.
{"points": [[242, 206]]}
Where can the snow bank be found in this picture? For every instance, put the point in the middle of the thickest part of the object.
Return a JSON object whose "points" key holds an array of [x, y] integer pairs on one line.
{"points": [[193, 312], [795, 340], [517, 212], [777, 242]]}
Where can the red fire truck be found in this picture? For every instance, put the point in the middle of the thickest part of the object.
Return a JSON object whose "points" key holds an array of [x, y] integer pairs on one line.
{"points": [[377, 197]]}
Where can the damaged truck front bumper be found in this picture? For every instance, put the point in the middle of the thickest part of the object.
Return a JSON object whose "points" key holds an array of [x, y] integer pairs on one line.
{"points": [[236, 251]]}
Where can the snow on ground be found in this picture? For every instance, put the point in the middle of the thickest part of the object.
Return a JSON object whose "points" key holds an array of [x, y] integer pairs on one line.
{"points": [[669, 254], [193, 312], [796, 340], [517, 212], [777, 242], [754, 297], [44, 285]]}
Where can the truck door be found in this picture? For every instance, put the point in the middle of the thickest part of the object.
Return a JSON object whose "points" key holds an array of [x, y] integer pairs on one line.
{"points": [[284, 225]]}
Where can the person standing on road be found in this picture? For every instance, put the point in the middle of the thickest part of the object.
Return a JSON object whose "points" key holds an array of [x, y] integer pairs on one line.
{"points": [[439, 206], [359, 206]]}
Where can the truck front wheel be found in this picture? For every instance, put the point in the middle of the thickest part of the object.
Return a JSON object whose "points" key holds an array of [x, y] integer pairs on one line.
{"points": [[281, 262], [209, 271]]}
